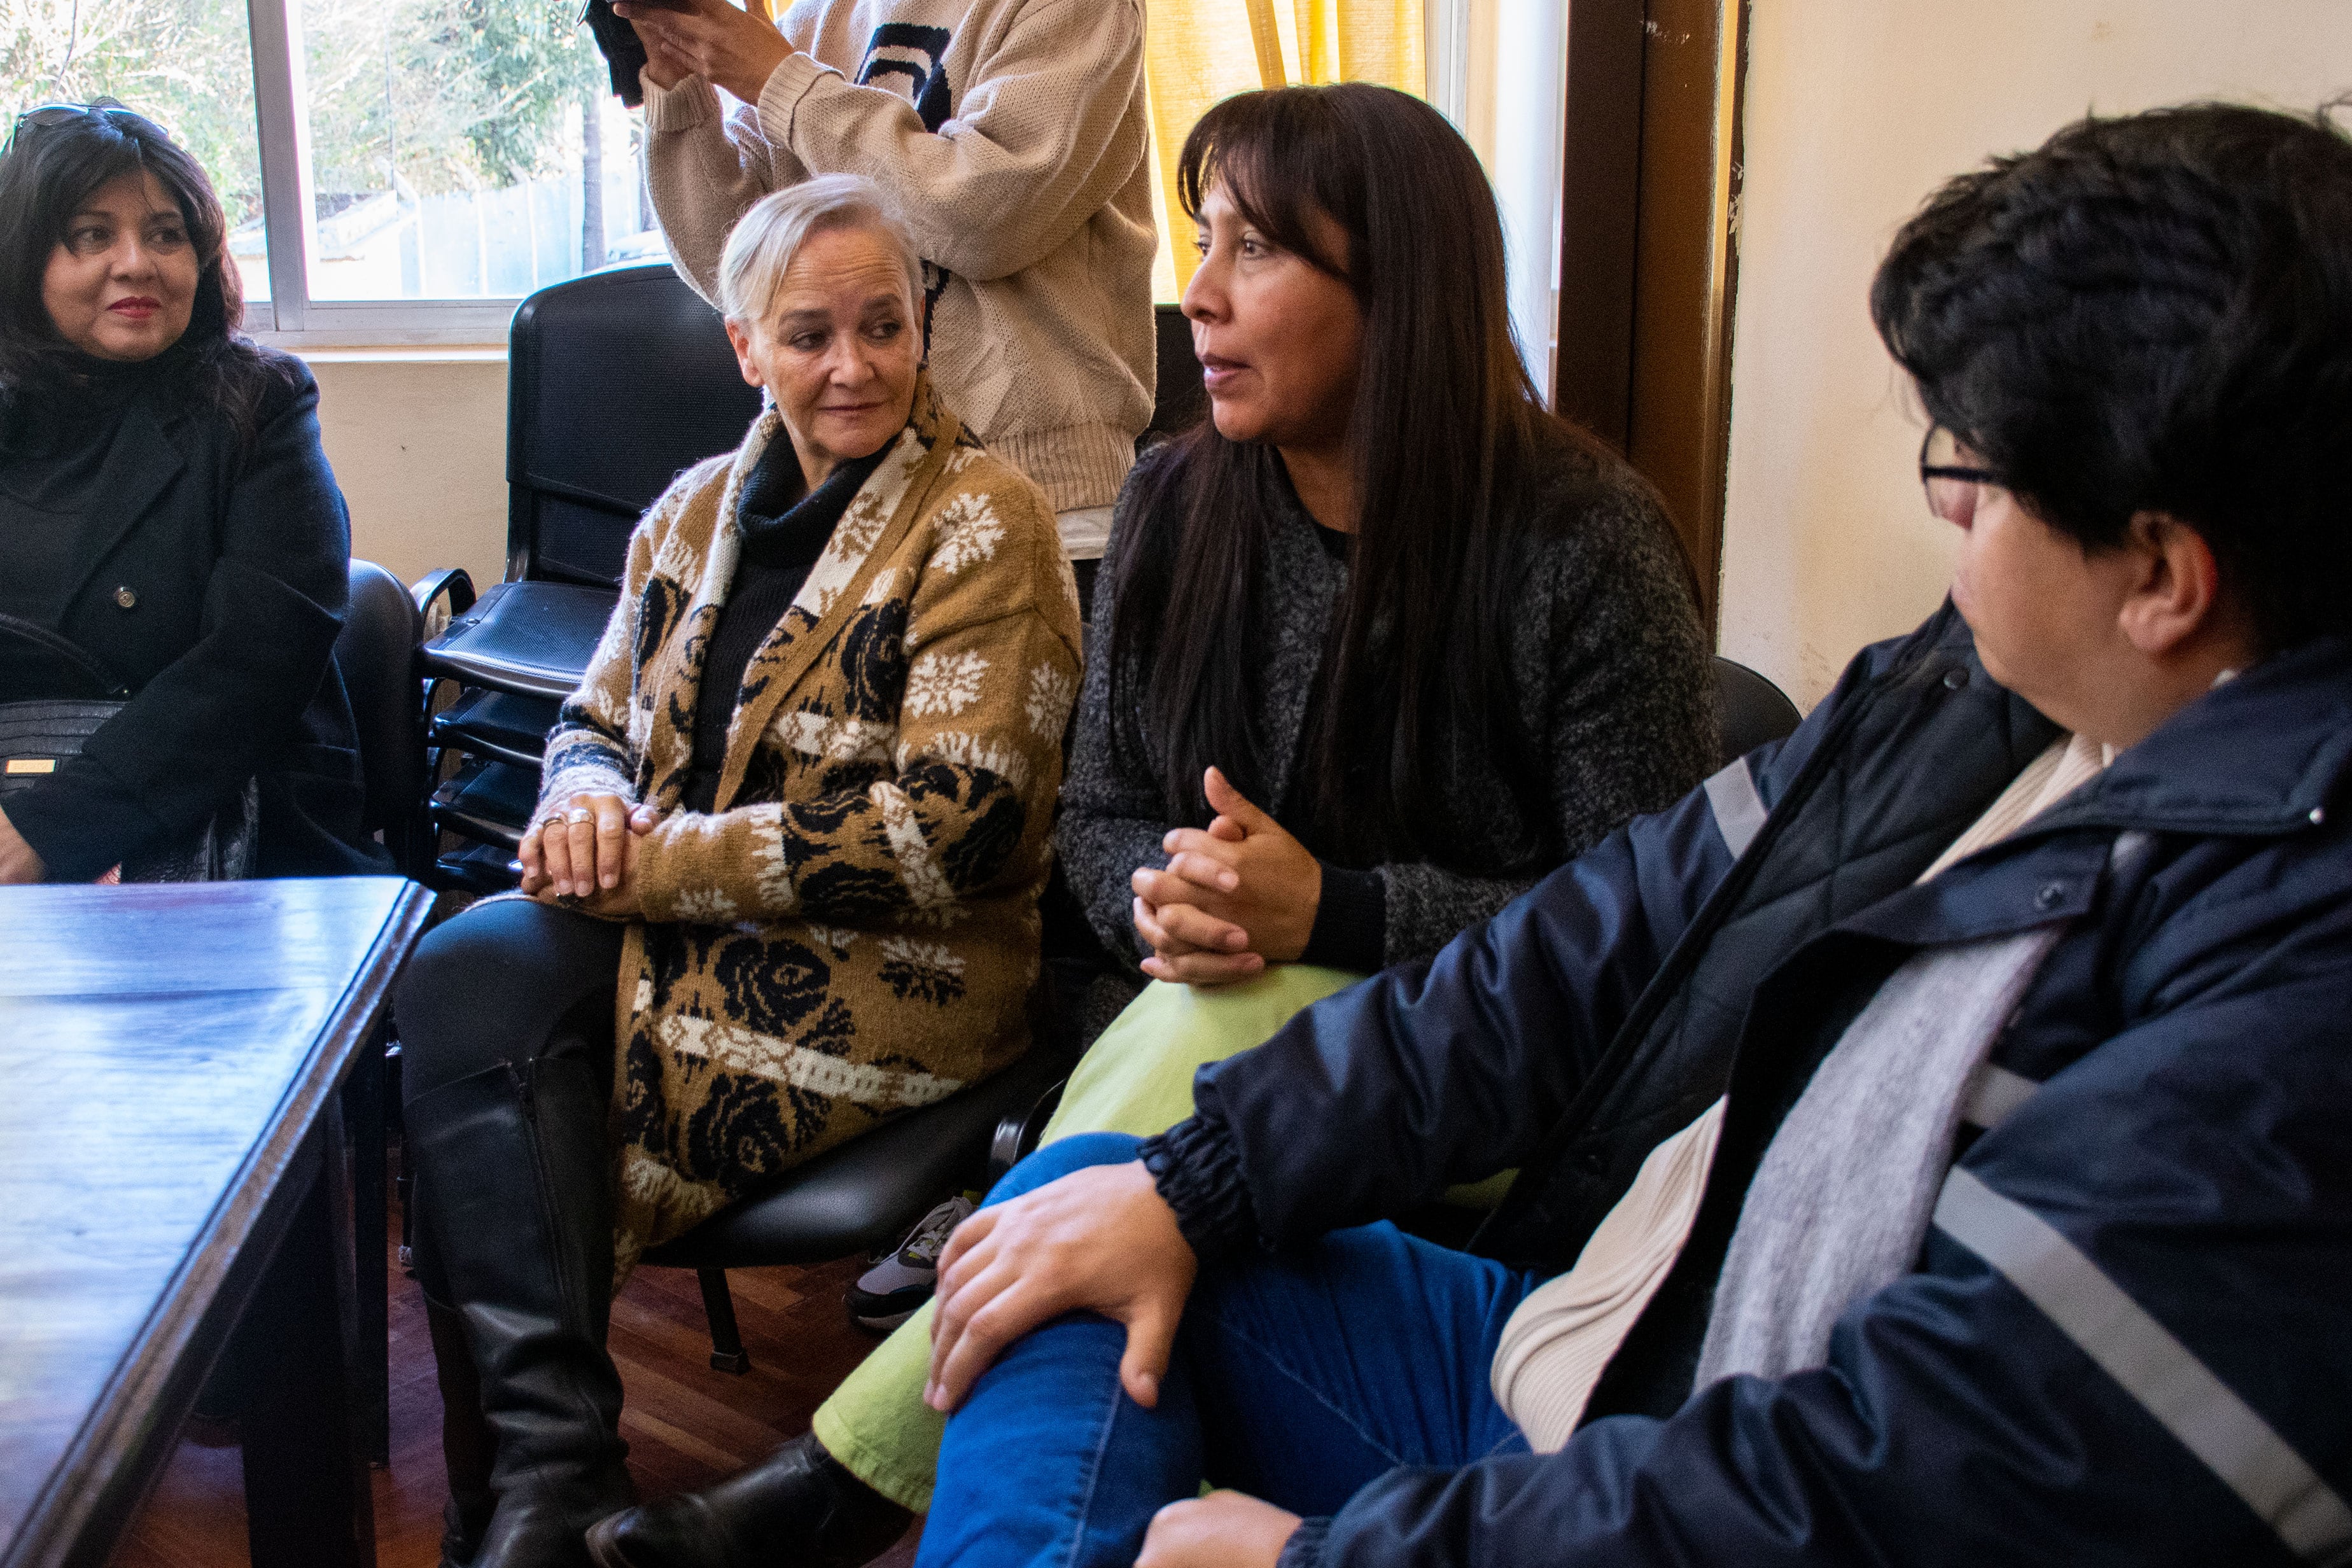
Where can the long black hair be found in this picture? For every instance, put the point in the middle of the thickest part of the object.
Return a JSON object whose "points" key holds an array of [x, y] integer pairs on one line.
{"points": [[55, 159], [1442, 441]]}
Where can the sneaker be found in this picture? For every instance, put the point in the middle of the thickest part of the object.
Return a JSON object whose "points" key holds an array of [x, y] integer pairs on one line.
{"points": [[893, 1290]]}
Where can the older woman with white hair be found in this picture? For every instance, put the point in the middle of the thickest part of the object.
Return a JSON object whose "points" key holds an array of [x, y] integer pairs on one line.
{"points": [[784, 877]]}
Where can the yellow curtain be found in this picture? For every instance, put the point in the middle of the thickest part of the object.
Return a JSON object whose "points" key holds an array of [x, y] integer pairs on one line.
{"points": [[1198, 51]]}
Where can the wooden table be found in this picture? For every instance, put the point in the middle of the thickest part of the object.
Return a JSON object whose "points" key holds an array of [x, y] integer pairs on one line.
{"points": [[170, 1165]]}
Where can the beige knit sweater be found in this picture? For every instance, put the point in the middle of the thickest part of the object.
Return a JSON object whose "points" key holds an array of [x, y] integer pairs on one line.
{"points": [[854, 931], [1014, 134]]}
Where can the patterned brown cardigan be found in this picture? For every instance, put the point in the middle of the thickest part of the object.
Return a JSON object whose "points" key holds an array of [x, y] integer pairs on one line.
{"points": [[854, 930]]}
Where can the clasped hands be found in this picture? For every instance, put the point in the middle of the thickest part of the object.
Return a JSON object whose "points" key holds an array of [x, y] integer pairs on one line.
{"points": [[725, 45], [1100, 1239], [1235, 896], [586, 849]]}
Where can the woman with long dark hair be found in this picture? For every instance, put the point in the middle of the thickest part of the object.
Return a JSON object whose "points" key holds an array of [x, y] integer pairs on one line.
{"points": [[1490, 661], [165, 507], [1375, 647]]}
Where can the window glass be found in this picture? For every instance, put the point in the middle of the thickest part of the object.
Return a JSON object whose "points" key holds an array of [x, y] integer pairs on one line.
{"points": [[463, 148], [186, 64], [1196, 52]]}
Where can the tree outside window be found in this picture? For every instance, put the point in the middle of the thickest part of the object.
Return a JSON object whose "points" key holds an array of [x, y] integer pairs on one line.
{"points": [[459, 149], [463, 148], [464, 151], [187, 64]]}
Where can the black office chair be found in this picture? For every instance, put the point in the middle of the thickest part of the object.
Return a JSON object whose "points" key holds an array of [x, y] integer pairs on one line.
{"points": [[1750, 710], [864, 1194], [375, 653], [615, 381], [376, 656], [1179, 401], [1182, 399]]}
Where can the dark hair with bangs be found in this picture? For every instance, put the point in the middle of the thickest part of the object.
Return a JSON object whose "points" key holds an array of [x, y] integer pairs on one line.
{"points": [[54, 160], [2154, 314], [1442, 438]]}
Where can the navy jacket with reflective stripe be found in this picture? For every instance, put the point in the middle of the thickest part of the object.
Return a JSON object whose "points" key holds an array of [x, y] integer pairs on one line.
{"points": [[2129, 1335]]}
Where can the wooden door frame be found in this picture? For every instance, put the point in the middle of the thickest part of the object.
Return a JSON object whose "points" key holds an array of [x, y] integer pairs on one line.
{"points": [[1649, 248]]}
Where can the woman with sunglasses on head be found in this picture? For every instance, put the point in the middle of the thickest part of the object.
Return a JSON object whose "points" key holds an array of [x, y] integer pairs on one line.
{"points": [[1374, 649], [165, 507]]}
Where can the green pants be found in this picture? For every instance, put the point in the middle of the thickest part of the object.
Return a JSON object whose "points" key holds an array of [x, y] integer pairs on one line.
{"points": [[1137, 1078]]}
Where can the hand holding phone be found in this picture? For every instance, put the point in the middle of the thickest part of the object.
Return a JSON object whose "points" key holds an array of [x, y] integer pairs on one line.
{"points": [[735, 50], [624, 52]]}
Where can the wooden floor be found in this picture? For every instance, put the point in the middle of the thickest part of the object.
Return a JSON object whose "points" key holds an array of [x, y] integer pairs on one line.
{"points": [[686, 1424]]}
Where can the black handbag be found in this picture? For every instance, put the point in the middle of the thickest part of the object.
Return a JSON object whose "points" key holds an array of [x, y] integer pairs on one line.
{"points": [[39, 734]]}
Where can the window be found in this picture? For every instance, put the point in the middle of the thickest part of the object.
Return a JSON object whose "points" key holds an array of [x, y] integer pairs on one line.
{"points": [[460, 148], [403, 171], [1495, 68], [394, 170], [440, 160], [1500, 71], [1198, 51]]}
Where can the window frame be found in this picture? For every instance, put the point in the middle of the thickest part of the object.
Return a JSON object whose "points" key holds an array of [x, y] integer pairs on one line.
{"points": [[289, 318], [1509, 101], [1464, 55]]}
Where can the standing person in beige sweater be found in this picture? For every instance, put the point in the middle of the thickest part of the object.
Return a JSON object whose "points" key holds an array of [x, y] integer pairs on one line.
{"points": [[1012, 133]]}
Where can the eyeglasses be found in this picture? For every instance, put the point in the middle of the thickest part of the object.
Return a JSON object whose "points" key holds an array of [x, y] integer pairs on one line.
{"points": [[1943, 479]]}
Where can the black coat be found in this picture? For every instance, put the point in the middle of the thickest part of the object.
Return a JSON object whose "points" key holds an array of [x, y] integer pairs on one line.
{"points": [[214, 590]]}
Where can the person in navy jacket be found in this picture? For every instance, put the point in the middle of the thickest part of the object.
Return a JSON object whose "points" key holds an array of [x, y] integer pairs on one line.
{"points": [[1934, 1135]]}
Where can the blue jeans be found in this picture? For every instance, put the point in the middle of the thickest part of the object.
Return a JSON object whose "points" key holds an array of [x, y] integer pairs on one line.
{"points": [[1296, 1379]]}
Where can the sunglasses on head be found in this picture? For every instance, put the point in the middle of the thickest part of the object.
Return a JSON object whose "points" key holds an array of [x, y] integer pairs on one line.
{"points": [[48, 116]]}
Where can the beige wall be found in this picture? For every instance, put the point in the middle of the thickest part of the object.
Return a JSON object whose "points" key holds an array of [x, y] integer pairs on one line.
{"points": [[419, 444], [1855, 110]]}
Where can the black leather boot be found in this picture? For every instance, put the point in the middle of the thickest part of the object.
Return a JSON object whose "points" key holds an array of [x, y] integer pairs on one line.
{"points": [[516, 1198], [465, 1445], [798, 1506]]}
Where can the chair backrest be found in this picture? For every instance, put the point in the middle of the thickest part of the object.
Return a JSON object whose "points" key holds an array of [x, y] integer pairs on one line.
{"points": [[375, 652], [615, 381], [1751, 709], [1181, 397]]}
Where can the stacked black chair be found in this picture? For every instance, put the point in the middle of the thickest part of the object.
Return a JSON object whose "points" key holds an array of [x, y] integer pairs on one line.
{"points": [[615, 382]]}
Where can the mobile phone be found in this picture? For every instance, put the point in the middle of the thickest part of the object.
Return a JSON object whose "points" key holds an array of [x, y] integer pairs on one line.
{"points": [[623, 51]]}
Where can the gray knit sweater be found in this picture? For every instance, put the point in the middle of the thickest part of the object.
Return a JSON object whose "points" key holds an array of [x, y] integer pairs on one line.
{"points": [[1610, 671]]}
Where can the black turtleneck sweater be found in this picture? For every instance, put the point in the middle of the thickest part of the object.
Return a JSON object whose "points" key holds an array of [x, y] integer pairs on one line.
{"points": [[785, 527]]}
